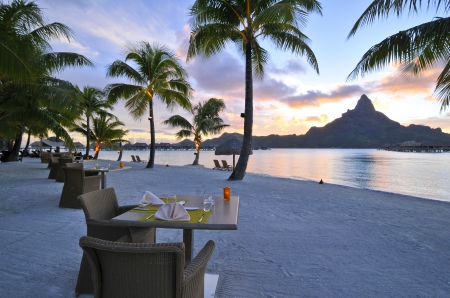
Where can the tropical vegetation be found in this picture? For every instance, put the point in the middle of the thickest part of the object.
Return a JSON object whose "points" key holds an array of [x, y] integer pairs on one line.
{"points": [[215, 23], [106, 130], [206, 121], [91, 103], [415, 50], [29, 95], [154, 72]]}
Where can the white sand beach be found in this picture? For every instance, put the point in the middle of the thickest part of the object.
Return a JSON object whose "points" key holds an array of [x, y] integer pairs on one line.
{"points": [[294, 238]]}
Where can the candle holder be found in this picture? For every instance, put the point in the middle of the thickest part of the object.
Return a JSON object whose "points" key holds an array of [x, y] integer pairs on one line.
{"points": [[226, 193]]}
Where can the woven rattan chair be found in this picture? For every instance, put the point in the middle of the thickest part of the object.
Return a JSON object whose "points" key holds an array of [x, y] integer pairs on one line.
{"points": [[99, 207], [45, 157], [133, 158], [62, 163], [217, 165], [135, 270], [54, 167], [76, 184]]}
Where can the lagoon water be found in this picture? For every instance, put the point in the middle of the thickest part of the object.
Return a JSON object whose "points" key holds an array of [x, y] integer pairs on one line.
{"points": [[425, 175]]}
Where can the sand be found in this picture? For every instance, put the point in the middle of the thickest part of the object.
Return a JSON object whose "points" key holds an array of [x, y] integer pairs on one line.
{"points": [[294, 238]]}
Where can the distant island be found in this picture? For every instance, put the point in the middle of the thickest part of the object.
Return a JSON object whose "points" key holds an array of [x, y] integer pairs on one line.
{"points": [[362, 127]]}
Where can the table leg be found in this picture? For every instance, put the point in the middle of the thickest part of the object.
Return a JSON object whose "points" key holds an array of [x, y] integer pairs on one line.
{"points": [[188, 239], [103, 180]]}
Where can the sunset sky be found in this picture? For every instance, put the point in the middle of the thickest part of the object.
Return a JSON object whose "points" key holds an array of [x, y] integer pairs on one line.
{"points": [[291, 98]]}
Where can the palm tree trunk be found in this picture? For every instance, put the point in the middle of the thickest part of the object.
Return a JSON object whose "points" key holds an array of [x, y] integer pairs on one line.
{"points": [[120, 151], [151, 159], [197, 153], [14, 155], [241, 166], [25, 150], [88, 139]]}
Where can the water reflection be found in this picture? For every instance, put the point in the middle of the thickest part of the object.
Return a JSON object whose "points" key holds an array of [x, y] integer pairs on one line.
{"points": [[418, 174]]}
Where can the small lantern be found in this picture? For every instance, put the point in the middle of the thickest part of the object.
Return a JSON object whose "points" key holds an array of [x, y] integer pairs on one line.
{"points": [[121, 165], [226, 193]]}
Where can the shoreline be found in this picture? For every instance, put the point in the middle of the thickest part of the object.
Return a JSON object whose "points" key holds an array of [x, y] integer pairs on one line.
{"points": [[294, 239]]}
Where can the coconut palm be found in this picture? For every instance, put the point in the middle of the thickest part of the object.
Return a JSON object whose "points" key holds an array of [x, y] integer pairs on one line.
{"points": [[28, 93], [91, 103], [214, 23], [416, 49], [158, 74], [206, 122], [25, 51], [105, 131]]}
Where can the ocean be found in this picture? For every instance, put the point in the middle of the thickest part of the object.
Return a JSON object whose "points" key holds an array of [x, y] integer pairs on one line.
{"points": [[424, 175]]}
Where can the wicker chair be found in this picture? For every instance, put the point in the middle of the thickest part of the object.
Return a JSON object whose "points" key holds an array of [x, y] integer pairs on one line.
{"points": [[54, 167], [76, 184], [99, 207], [45, 157], [145, 270], [226, 166], [62, 163]]}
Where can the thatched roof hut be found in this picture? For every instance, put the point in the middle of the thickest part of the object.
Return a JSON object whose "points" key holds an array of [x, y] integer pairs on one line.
{"points": [[231, 147]]}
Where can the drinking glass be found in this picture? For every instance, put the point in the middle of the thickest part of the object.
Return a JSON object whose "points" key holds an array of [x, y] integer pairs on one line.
{"points": [[208, 202], [171, 199]]}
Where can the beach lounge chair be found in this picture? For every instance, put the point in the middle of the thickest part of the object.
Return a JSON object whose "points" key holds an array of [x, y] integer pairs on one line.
{"points": [[123, 269], [133, 158], [99, 207], [226, 166], [217, 165], [76, 184], [139, 159]]}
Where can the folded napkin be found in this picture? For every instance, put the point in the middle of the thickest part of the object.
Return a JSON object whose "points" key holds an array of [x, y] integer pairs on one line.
{"points": [[150, 199], [173, 211]]}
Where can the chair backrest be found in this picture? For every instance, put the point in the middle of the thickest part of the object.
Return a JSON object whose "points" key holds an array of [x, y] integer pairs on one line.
{"points": [[138, 158], [74, 178], [225, 165], [133, 158], [216, 163], [54, 160], [75, 165], [100, 204], [135, 269]]}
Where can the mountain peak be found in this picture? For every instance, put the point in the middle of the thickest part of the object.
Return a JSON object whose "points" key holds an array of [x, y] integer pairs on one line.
{"points": [[365, 105]]}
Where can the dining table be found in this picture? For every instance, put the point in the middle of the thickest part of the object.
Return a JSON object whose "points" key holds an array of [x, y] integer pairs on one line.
{"points": [[223, 216]]}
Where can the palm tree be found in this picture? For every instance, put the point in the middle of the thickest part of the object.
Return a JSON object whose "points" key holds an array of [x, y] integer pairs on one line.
{"points": [[105, 131], [416, 49], [28, 93], [25, 51], [158, 74], [214, 23], [91, 103], [206, 122]]}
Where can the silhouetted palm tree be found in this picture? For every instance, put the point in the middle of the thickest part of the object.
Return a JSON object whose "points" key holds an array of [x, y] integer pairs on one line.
{"points": [[158, 74], [214, 23], [206, 122], [417, 49]]}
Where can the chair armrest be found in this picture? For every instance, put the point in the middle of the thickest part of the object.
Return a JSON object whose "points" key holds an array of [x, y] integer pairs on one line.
{"points": [[125, 208], [196, 269]]}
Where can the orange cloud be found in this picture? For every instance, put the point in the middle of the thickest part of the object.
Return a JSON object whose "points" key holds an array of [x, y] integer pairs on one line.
{"points": [[321, 119]]}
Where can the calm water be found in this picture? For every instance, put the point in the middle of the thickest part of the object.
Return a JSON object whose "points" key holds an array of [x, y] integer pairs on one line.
{"points": [[423, 175]]}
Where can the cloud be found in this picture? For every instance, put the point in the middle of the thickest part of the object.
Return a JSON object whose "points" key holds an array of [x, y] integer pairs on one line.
{"points": [[321, 119], [291, 67], [314, 98]]}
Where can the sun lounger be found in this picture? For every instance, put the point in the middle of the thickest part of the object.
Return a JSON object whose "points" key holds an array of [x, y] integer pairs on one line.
{"points": [[217, 165], [139, 159], [226, 166], [133, 158]]}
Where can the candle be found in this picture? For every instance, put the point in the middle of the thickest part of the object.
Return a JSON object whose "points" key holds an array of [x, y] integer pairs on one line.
{"points": [[226, 193], [121, 164]]}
